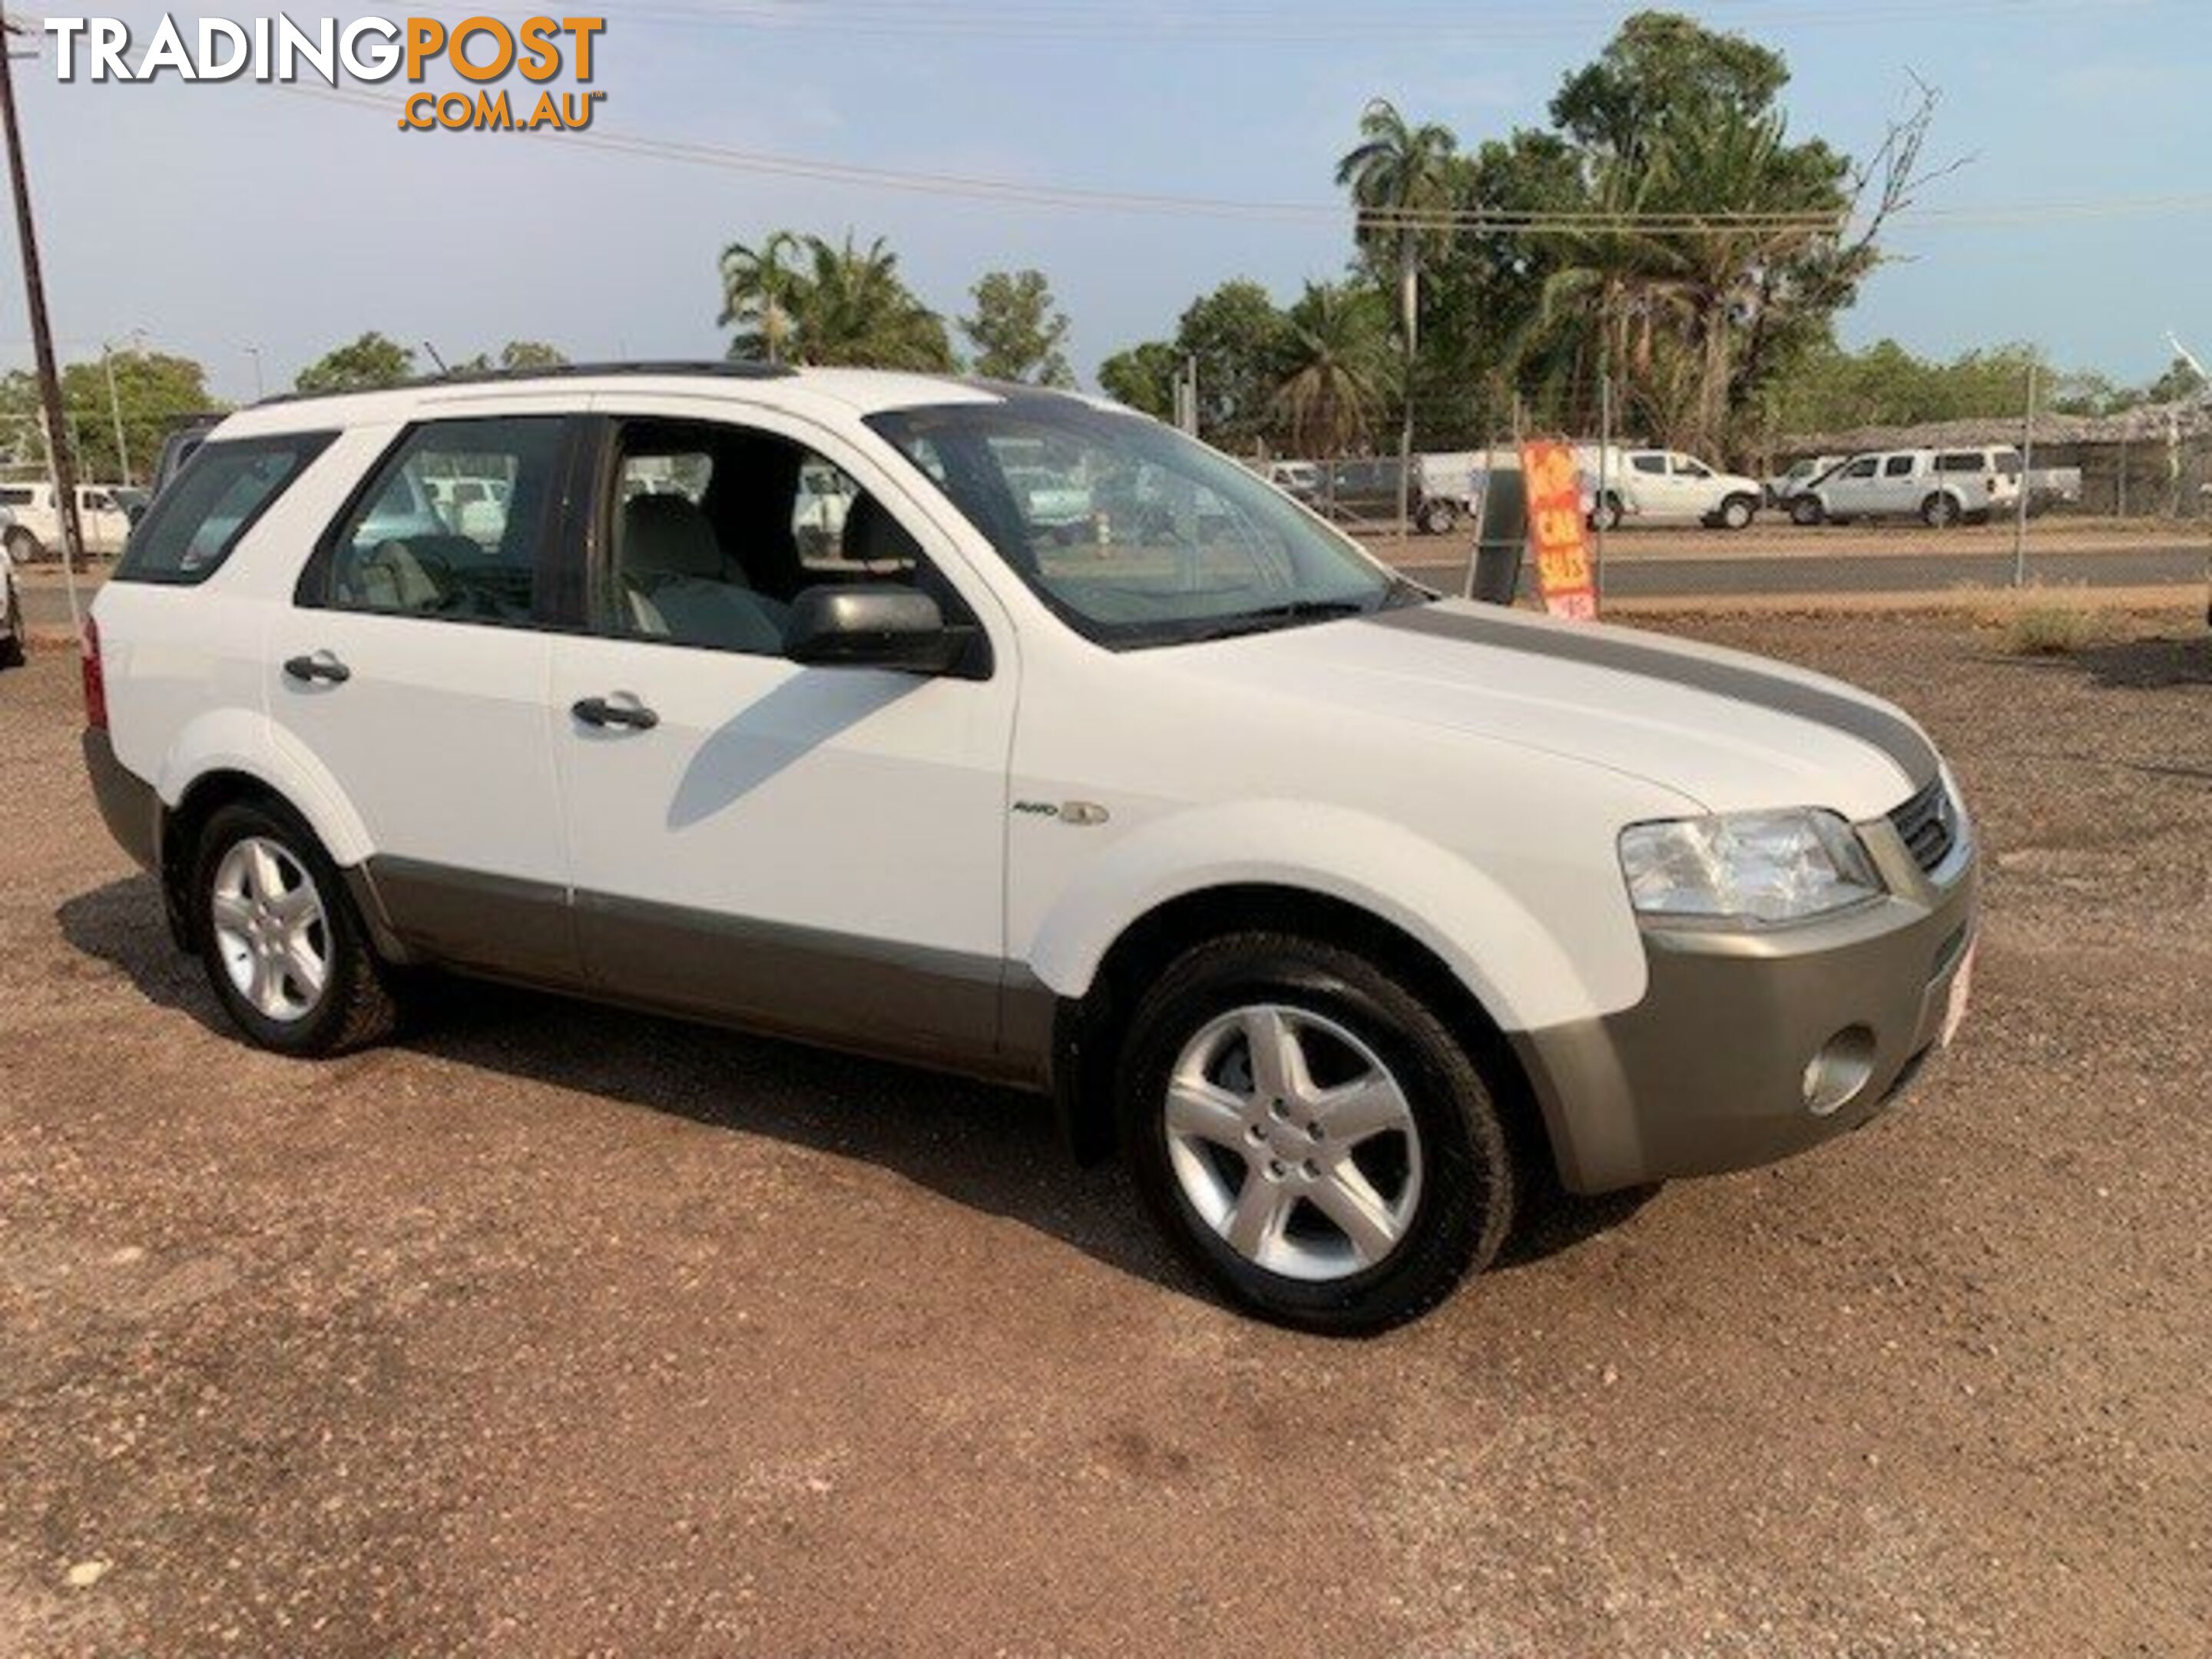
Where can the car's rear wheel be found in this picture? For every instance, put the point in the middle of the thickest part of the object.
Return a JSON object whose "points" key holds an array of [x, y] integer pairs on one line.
{"points": [[1606, 514], [1939, 511], [1311, 1134], [284, 949], [1805, 509], [1439, 518], [23, 546]]}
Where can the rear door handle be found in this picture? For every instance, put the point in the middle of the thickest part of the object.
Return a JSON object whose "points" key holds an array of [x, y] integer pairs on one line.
{"points": [[605, 711], [322, 665]]}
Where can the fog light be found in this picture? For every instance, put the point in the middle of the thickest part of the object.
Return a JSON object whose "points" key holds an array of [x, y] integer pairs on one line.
{"points": [[1834, 1076]]}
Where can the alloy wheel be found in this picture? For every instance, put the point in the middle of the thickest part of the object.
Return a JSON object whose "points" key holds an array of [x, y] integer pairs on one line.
{"points": [[1293, 1141], [270, 929]]}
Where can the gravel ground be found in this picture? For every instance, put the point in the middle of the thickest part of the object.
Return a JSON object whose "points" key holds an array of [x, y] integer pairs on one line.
{"points": [[556, 1330]]}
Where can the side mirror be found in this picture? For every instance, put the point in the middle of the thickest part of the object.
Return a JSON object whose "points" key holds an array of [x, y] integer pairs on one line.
{"points": [[873, 626]]}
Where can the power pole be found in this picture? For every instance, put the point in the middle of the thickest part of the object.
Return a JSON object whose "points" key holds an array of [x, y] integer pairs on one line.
{"points": [[115, 413], [42, 338]]}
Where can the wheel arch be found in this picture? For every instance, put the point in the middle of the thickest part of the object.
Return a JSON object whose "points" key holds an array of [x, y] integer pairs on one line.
{"points": [[1089, 1027]]}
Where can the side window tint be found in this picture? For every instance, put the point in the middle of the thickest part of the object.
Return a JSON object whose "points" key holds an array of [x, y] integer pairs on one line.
{"points": [[192, 524], [451, 525], [1862, 469], [1655, 464], [1898, 466], [1959, 460], [716, 529]]}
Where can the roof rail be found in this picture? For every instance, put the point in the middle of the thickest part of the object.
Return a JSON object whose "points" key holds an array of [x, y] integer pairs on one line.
{"points": [[724, 368]]}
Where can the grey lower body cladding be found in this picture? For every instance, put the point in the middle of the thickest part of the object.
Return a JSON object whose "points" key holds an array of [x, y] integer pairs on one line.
{"points": [[1709, 1072], [963, 1012]]}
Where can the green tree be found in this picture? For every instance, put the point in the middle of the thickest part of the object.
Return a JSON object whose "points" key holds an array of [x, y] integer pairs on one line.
{"points": [[1400, 175], [1239, 337], [520, 357], [151, 390], [1336, 367], [757, 285], [2181, 379], [1017, 330], [366, 364], [1663, 71], [839, 304], [1143, 378]]}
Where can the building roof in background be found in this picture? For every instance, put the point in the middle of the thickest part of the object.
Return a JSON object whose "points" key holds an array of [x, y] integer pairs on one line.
{"points": [[2186, 418]]}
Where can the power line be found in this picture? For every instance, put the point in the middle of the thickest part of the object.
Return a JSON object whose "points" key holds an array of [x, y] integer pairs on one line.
{"points": [[1255, 25], [1559, 221]]}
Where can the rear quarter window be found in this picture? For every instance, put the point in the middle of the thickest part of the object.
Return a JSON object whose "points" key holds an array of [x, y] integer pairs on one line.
{"points": [[1960, 460], [194, 525]]}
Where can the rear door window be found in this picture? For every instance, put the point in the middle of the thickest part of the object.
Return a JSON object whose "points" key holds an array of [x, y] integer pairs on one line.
{"points": [[1898, 466], [194, 524], [453, 527]]}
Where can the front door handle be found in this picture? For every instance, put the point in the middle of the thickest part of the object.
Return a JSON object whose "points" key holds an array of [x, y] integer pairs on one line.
{"points": [[322, 665], [605, 711]]}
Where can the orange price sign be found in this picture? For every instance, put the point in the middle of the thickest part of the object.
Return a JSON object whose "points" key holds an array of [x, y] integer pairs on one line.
{"points": [[1556, 537]]}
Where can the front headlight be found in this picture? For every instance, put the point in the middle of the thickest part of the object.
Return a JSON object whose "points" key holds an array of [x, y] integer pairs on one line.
{"points": [[1747, 866]]}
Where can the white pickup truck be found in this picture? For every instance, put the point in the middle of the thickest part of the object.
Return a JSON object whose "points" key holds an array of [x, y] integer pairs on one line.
{"points": [[1663, 486], [36, 532]]}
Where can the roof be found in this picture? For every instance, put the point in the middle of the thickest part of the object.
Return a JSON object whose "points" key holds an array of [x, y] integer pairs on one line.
{"points": [[2186, 418], [844, 392]]}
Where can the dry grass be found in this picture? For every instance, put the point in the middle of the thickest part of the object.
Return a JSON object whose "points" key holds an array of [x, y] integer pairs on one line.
{"points": [[2039, 621]]}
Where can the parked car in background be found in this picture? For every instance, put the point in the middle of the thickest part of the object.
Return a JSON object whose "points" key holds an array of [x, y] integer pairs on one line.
{"points": [[1188, 834], [1300, 480], [1939, 487], [1799, 474], [1664, 486], [2050, 487], [177, 448], [11, 607], [1366, 488], [36, 532]]}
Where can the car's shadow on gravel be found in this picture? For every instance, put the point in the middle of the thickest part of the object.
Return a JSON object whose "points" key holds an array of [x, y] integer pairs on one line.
{"points": [[992, 1149]]}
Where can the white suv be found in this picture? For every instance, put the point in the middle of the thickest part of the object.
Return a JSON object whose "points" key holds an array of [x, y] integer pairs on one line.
{"points": [[1337, 909]]}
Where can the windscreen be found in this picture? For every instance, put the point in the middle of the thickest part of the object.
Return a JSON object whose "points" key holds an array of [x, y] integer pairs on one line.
{"points": [[1134, 534]]}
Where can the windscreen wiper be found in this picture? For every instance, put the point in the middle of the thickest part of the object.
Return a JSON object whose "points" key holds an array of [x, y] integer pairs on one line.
{"points": [[1297, 611]]}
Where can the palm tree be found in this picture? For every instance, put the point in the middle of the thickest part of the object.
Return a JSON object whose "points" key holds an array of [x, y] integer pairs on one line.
{"points": [[851, 306], [1399, 176], [756, 287], [1335, 368]]}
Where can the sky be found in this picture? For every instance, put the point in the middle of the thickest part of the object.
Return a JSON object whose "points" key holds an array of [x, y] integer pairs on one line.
{"points": [[220, 217]]}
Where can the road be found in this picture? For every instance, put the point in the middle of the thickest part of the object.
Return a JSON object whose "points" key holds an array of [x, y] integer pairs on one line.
{"points": [[1656, 571], [1631, 576]]}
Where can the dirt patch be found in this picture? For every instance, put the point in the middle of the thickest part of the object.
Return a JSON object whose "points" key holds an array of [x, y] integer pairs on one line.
{"points": [[553, 1328]]}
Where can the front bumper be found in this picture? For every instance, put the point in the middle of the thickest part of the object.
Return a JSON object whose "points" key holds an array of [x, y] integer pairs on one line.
{"points": [[1708, 1072]]}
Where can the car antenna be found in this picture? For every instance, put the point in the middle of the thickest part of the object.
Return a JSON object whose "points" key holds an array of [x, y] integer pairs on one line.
{"points": [[435, 358]]}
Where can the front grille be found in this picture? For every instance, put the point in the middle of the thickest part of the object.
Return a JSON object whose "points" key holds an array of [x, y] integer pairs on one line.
{"points": [[1927, 824]]}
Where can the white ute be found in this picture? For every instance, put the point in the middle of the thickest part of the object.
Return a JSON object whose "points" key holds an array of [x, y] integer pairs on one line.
{"points": [[1338, 910]]}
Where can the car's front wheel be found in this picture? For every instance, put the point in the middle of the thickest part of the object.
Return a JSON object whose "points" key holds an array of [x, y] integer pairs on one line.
{"points": [[284, 949], [1311, 1135], [1805, 509], [1737, 512], [1439, 519]]}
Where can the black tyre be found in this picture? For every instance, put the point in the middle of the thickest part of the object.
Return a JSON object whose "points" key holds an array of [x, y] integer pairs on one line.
{"points": [[1737, 512], [282, 946], [23, 546], [1805, 509], [1939, 511], [1310, 1135], [1439, 519], [1606, 514]]}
